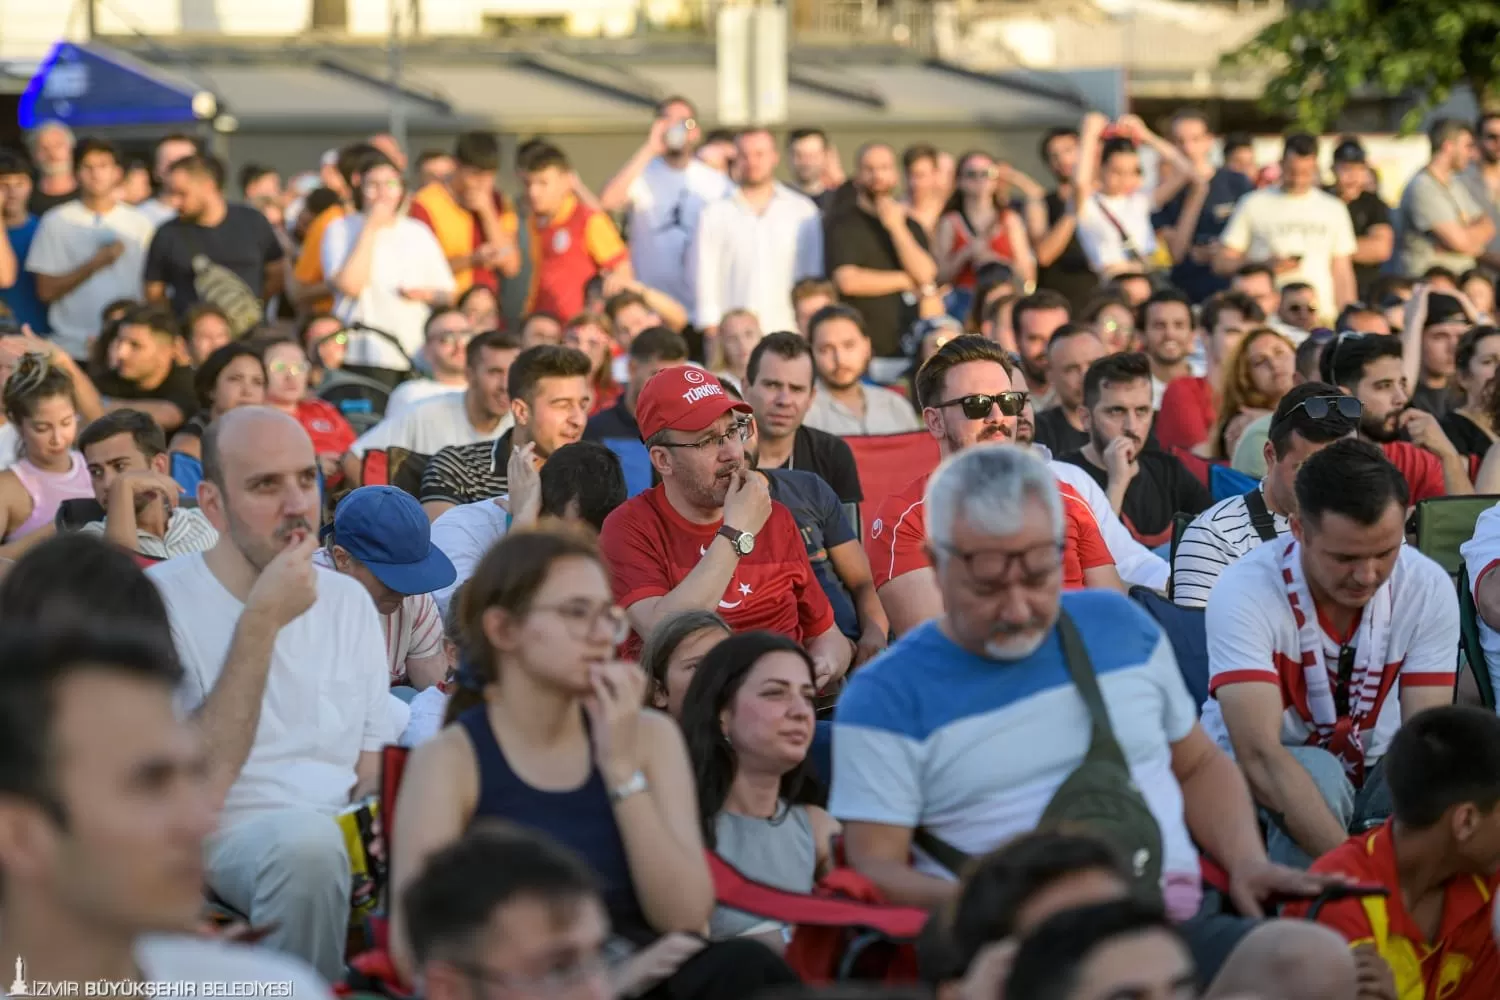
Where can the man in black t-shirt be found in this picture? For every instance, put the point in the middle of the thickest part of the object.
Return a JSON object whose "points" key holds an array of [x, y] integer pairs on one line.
{"points": [[143, 372], [652, 350], [215, 252], [1145, 486], [877, 256], [1062, 266], [779, 385], [1375, 237]]}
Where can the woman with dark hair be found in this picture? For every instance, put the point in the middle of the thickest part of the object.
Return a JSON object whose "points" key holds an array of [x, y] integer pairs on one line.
{"points": [[673, 651], [230, 377], [547, 730], [1471, 427], [978, 226], [748, 720], [41, 401], [1114, 204], [594, 335]]}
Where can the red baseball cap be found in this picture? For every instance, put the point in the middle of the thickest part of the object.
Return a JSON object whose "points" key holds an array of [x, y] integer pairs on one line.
{"points": [[683, 398]]}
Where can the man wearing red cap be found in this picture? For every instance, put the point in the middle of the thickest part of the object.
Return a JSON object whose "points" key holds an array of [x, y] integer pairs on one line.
{"points": [[709, 536]]}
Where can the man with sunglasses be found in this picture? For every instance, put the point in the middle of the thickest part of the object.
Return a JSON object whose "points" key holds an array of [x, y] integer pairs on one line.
{"points": [[967, 399], [445, 338], [1483, 180], [1320, 649], [1297, 312], [1440, 222], [709, 536], [1308, 419]]}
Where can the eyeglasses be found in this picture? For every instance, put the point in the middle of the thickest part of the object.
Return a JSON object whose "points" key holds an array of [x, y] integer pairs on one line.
{"points": [[449, 338], [1320, 407], [980, 175], [978, 405], [581, 619], [1298, 307], [990, 571], [738, 431], [554, 981], [288, 367]]}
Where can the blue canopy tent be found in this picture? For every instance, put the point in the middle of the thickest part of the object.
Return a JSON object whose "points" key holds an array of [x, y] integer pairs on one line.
{"points": [[91, 87]]}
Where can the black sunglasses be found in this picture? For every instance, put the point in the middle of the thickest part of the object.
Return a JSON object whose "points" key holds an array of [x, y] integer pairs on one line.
{"points": [[978, 405], [1319, 407]]}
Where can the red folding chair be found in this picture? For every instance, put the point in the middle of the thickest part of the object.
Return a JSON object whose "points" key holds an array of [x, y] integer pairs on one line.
{"points": [[373, 971]]}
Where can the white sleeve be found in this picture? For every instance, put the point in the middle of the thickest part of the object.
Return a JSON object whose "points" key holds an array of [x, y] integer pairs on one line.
{"points": [[1344, 241], [436, 272], [707, 254], [464, 544], [335, 247], [393, 431], [1241, 638], [1236, 235], [809, 247], [368, 652], [1482, 551], [1135, 563], [48, 255]]}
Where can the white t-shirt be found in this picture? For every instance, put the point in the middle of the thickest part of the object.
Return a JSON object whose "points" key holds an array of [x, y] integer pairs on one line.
{"points": [[406, 255], [1101, 239], [179, 958], [1481, 555], [664, 207], [412, 631], [416, 390], [66, 238], [326, 693], [428, 427], [1315, 226], [464, 534], [1252, 637]]}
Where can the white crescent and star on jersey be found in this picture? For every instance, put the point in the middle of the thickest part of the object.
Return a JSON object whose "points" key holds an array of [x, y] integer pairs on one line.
{"points": [[745, 590]]}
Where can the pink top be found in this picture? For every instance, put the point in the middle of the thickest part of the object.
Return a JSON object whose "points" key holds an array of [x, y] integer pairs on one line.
{"points": [[49, 489]]}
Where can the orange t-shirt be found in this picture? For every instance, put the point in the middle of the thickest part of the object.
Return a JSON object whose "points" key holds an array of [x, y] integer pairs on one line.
{"points": [[1462, 964], [575, 244], [309, 267]]}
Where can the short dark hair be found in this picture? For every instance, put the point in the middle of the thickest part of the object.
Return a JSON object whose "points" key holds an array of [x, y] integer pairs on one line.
{"points": [[206, 378], [671, 99], [1309, 357], [1051, 958], [203, 165], [1254, 268], [1230, 301], [441, 312], [490, 340], [785, 345], [1444, 130], [1299, 144], [539, 155], [40, 658], [658, 343], [158, 319], [586, 473], [933, 375], [426, 156], [1114, 369], [545, 361], [1291, 418], [1442, 758], [832, 312], [1068, 331], [143, 429], [916, 153], [93, 144], [478, 151], [14, 161], [1351, 478], [1038, 301], [197, 312], [1052, 135], [1292, 287], [1000, 885], [620, 301], [1237, 140], [798, 134], [351, 159], [455, 895], [1163, 296], [1348, 355], [252, 172]]}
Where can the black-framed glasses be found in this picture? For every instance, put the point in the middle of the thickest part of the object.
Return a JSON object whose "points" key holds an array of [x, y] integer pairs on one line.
{"points": [[738, 431], [581, 619], [1321, 407], [977, 406], [550, 983], [990, 570]]}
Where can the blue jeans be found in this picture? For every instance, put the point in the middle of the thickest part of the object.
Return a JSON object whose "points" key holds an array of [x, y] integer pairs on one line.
{"points": [[1355, 809]]}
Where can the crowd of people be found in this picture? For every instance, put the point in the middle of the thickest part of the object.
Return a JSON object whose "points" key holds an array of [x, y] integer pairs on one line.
{"points": [[565, 493]]}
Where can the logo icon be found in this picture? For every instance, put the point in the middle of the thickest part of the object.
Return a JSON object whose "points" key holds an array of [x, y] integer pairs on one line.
{"points": [[19, 987], [692, 376], [875, 528], [561, 241]]}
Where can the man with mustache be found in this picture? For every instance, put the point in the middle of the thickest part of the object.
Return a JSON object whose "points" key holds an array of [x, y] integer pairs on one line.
{"points": [[967, 399], [1369, 368], [1146, 486], [709, 536], [293, 699], [845, 404]]}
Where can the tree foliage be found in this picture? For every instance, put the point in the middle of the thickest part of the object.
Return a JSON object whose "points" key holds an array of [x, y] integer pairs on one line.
{"points": [[1323, 55]]}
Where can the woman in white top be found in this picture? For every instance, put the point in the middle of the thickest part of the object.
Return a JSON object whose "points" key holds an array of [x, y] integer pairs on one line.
{"points": [[388, 270], [1114, 209]]}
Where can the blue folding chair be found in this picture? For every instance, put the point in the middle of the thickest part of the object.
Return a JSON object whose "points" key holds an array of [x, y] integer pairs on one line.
{"points": [[1225, 482], [187, 471], [635, 461], [1187, 631]]}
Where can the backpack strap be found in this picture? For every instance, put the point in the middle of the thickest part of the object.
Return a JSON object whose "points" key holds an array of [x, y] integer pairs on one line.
{"points": [[1261, 518], [1102, 744]]}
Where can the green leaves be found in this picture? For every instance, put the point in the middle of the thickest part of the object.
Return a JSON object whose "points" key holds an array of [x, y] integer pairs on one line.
{"points": [[1322, 57]]}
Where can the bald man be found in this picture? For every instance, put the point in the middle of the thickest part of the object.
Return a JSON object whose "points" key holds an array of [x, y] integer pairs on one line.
{"points": [[285, 675], [1294, 960]]}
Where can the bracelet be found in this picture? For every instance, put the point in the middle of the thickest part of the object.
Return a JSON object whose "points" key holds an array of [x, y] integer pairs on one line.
{"points": [[635, 784]]}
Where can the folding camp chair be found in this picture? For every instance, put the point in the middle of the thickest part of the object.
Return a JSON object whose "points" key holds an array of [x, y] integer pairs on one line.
{"points": [[1180, 522], [394, 467], [372, 971], [1225, 482], [635, 462], [186, 471], [1186, 631], [1442, 524], [1470, 646]]}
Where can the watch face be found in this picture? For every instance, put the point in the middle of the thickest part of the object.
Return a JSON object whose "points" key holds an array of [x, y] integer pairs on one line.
{"points": [[745, 543]]}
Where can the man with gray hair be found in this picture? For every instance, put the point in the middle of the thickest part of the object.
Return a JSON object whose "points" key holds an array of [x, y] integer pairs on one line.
{"points": [[52, 145], [992, 736]]}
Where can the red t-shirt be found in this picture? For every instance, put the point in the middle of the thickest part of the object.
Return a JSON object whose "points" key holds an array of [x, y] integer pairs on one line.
{"points": [[330, 432], [1187, 413], [1462, 964], [898, 536], [650, 548], [1423, 470]]}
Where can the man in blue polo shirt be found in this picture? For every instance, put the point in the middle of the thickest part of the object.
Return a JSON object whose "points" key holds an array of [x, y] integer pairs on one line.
{"points": [[1194, 274], [972, 747]]}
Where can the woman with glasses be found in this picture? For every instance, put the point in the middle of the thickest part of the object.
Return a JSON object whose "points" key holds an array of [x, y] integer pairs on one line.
{"points": [[229, 378], [326, 344], [387, 269], [748, 721], [1113, 321], [1260, 370], [287, 375], [978, 226], [547, 730]]}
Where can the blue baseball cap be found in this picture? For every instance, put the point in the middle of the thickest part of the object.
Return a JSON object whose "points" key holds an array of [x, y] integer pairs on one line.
{"points": [[386, 529]]}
